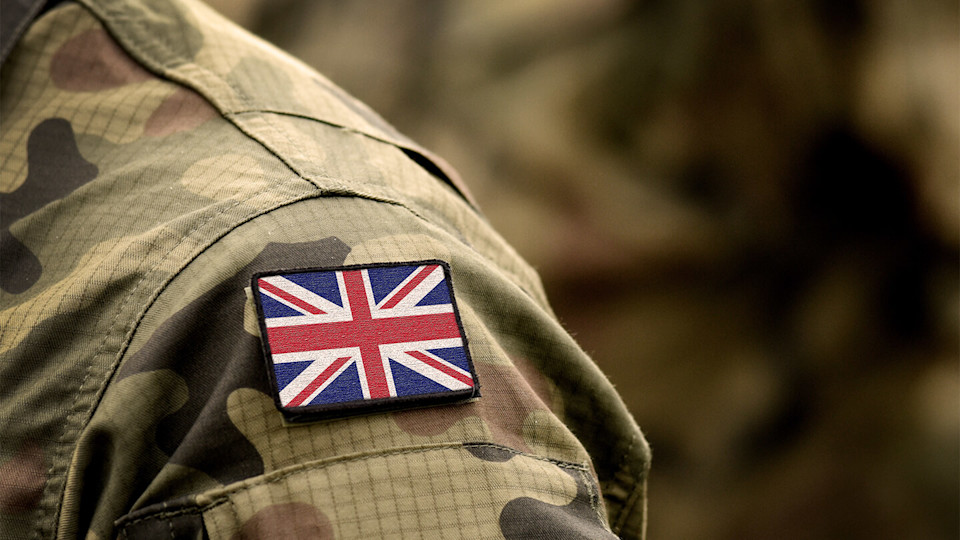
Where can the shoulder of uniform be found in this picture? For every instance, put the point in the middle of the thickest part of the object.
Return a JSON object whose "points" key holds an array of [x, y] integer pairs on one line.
{"points": [[255, 85]]}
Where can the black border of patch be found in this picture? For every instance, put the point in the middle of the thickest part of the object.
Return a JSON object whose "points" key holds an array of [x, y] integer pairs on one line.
{"points": [[352, 408]]}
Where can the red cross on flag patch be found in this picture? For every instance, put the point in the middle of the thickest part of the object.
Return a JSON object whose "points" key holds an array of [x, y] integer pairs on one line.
{"points": [[358, 339]]}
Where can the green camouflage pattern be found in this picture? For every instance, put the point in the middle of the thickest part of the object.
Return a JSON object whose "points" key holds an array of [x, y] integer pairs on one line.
{"points": [[154, 157]]}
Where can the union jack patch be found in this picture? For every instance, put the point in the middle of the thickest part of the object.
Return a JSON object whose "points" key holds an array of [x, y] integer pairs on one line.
{"points": [[356, 339]]}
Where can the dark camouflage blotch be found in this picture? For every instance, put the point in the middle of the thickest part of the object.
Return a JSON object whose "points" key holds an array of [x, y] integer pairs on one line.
{"points": [[206, 344], [91, 62], [22, 479], [527, 518], [180, 526], [36, 382], [55, 169], [19, 267], [289, 520], [489, 452], [181, 111], [504, 416]]}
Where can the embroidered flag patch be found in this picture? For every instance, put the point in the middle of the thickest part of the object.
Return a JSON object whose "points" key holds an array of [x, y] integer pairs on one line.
{"points": [[357, 339]]}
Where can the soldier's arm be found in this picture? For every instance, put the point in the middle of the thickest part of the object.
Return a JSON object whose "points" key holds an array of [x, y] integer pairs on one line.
{"points": [[156, 159]]}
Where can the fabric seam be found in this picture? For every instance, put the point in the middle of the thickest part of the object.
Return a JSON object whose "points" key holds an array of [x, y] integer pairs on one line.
{"points": [[624, 512], [594, 491]]}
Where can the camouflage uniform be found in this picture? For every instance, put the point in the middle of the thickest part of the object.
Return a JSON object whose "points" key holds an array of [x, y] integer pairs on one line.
{"points": [[154, 157]]}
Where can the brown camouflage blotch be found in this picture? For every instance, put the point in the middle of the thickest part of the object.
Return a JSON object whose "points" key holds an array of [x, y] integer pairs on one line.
{"points": [[537, 381], [182, 110], [289, 520], [507, 399], [92, 61], [22, 479]]}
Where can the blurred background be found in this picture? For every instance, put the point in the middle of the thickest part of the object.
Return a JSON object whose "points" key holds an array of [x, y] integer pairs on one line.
{"points": [[747, 211]]}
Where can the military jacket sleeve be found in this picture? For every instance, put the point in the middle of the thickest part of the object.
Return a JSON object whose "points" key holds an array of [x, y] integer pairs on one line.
{"points": [[156, 159]]}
